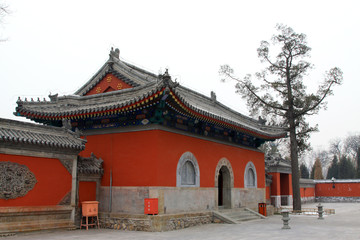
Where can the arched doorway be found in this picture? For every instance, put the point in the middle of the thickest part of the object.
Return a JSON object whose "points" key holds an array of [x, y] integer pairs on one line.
{"points": [[224, 182], [224, 188]]}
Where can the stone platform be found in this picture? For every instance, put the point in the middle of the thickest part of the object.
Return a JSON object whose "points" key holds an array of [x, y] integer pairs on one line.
{"points": [[26, 219], [344, 224], [155, 223]]}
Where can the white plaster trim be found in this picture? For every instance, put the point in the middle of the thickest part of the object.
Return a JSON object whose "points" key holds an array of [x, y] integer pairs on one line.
{"points": [[290, 200], [224, 162], [338, 181], [187, 156], [307, 199], [276, 200]]}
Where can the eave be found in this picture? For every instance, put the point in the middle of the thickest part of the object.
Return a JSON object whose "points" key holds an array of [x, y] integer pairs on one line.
{"points": [[189, 110]]}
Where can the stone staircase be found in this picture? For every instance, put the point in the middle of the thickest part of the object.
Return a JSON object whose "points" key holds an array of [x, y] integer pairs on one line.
{"points": [[237, 215]]}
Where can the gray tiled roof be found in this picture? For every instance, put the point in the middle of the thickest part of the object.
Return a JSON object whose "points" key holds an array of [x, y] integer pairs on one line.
{"points": [[277, 161], [73, 104], [147, 84], [129, 73], [90, 165], [215, 109], [29, 133]]}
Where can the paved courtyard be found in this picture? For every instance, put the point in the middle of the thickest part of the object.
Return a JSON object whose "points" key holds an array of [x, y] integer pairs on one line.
{"points": [[345, 224]]}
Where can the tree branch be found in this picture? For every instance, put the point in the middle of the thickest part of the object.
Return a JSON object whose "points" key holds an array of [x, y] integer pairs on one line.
{"points": [[334, 77], [251, 88]]}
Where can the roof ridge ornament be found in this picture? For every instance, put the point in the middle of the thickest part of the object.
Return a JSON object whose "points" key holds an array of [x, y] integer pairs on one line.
{"points": [[66, 123], [262, 121], [54, 97], [115, 53], [166, 78], [213, 96]]}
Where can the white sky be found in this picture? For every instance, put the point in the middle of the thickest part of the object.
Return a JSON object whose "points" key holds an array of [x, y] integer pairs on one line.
{"points": [[56, 46]]}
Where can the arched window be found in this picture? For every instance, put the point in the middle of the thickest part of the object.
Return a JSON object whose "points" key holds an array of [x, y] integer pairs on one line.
{"points": [[250, 178], [187, 173]]}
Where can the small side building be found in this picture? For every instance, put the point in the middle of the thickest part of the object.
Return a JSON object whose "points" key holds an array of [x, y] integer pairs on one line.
{"points": [[38, 166], [280, 186]]}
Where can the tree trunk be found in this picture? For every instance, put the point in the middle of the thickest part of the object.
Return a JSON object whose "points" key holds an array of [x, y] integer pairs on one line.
{"points": [[293, 143], [295, 167]]}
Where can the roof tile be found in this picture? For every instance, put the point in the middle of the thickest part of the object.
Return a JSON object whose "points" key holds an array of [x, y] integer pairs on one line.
{"points": [[30, 133]]}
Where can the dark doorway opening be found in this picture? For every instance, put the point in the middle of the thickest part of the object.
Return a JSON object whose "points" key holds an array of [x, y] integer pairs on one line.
{"points": [[224, 188], [220, 189]]}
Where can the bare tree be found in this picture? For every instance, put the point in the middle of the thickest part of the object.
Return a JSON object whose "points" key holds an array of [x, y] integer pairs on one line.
{"points": [[4, 10], [336, 147], [282, 94], [347, 147], [351, 146], [278, 148]]}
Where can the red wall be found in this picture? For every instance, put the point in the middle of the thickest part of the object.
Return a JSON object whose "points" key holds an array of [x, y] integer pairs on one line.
{"points": [[286, 184], [268, 193], [307, 192], [108, 81], [53, 181], [150, 158], [87, 191], [275, 185], [340, 190]]}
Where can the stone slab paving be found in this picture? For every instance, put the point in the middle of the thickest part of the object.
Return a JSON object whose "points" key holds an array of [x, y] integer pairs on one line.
{"points": [[345, 224]]}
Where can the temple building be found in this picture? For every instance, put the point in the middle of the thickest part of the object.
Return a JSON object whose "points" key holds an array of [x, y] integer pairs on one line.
{"points": [[149, 137]]}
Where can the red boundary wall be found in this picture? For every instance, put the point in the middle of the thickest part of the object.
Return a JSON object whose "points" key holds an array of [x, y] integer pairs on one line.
{"points": [[53, 181], [340, 188]]}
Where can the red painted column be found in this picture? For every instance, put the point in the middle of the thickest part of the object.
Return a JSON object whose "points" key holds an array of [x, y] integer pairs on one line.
{"points": [[276, 189]]}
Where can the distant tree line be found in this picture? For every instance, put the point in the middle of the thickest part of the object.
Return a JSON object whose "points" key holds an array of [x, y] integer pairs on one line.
{"points": [[342, 160]]}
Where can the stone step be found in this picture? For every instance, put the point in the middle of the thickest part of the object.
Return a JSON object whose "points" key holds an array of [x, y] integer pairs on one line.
{"points": [[239, 215], [27, 226], [231, 210], [245, 218]]}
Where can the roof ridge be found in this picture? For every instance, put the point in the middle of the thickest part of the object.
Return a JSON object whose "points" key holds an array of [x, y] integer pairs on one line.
{"points": [[30, 127], [31, 133], [132, 74]]}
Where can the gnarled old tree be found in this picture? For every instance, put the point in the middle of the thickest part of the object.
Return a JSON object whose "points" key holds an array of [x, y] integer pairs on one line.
{"points": [[279, 92]]}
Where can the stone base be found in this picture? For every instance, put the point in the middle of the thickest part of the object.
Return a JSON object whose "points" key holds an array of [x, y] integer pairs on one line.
{"points": [[337, 199], [155, 223], [174, 200], [276, 201], [270, 210], [26, 219], [307, 199]]}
